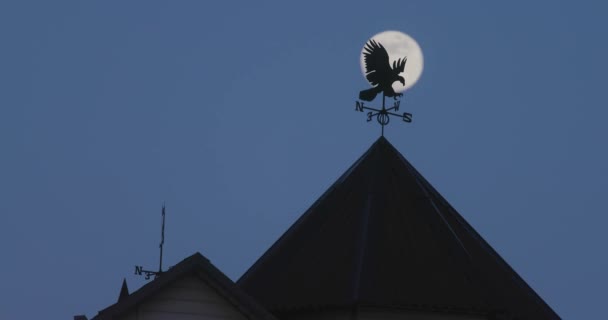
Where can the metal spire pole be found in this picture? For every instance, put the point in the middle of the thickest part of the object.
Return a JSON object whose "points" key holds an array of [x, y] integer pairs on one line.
{"points": [[162, 241]]}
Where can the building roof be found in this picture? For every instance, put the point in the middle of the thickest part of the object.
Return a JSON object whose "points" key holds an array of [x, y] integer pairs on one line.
{"points": [[196, 265], [382, 236]]}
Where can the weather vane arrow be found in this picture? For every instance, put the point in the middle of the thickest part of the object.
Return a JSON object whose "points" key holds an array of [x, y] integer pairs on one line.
{"points": [[382, 75]]}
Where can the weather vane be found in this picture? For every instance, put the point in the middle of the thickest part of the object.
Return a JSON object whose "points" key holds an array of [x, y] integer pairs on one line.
{"points": [[386, 78], [139, 270]]}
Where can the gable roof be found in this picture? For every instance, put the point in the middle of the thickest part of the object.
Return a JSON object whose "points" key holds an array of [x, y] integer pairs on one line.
{"points": [[382, 236], [196, 265]]}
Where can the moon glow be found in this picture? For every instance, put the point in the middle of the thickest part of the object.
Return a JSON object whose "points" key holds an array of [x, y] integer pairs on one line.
{"points": [[399, 45]]}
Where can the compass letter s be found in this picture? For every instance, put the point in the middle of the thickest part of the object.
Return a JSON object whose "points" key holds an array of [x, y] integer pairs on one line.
{"points": [[407, 117]]}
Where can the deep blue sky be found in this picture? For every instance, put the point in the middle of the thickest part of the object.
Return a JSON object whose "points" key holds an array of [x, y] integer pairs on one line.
{"points": [[239, 115]]}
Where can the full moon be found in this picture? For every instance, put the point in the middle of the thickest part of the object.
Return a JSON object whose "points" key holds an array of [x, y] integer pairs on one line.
{"points": [[400, 45]]}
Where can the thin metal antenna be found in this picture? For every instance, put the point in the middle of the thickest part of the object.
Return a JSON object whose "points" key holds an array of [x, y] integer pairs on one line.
{"points": [[162, 241]]}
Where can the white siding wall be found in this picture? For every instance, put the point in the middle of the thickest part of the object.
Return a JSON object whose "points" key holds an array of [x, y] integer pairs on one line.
{"points": [[186, 299], [385, 315]]}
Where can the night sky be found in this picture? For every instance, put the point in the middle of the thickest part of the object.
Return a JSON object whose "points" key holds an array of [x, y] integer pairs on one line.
{"points": [[239, 115]]}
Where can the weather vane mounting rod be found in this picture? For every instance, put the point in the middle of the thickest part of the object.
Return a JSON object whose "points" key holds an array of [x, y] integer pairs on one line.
{"points": [[139, 270]]}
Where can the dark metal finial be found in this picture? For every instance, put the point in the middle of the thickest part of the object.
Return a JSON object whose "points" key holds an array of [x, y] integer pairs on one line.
{"points": [[124, 290]]}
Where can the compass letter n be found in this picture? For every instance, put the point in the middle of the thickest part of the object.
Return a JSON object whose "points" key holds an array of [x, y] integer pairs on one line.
{"points": [[138, 270], [359, 106]]}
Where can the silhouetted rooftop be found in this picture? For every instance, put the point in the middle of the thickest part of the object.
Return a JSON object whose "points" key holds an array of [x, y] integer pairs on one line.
{"points": [[382, 236], [198, 266]]}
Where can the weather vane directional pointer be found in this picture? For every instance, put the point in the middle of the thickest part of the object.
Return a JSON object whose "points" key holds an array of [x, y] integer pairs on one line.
{"points": [[382, 75]]}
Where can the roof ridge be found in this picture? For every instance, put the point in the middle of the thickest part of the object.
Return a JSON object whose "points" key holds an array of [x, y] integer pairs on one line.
{"points": [[327, 193], [487, 247], [363, 236]]}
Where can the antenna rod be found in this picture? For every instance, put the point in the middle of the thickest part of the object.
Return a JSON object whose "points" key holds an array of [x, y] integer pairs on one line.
{"points": [[162, 241]]}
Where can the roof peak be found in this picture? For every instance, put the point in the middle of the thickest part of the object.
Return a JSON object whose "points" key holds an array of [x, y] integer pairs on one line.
{"points": [[196, 265], [382, 236], [382, 140]]}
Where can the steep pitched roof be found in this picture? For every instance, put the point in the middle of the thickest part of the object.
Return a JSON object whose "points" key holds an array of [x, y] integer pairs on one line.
{"points": [[382, 236], [196, 265]]}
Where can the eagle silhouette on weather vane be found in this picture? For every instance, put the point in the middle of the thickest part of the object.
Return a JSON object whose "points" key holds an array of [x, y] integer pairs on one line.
{"points": [[379, 72], [381, 75]]}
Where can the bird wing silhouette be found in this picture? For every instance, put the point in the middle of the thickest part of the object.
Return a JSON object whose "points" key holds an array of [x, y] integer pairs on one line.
{"points": [[377, 65], [399, 65]]}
